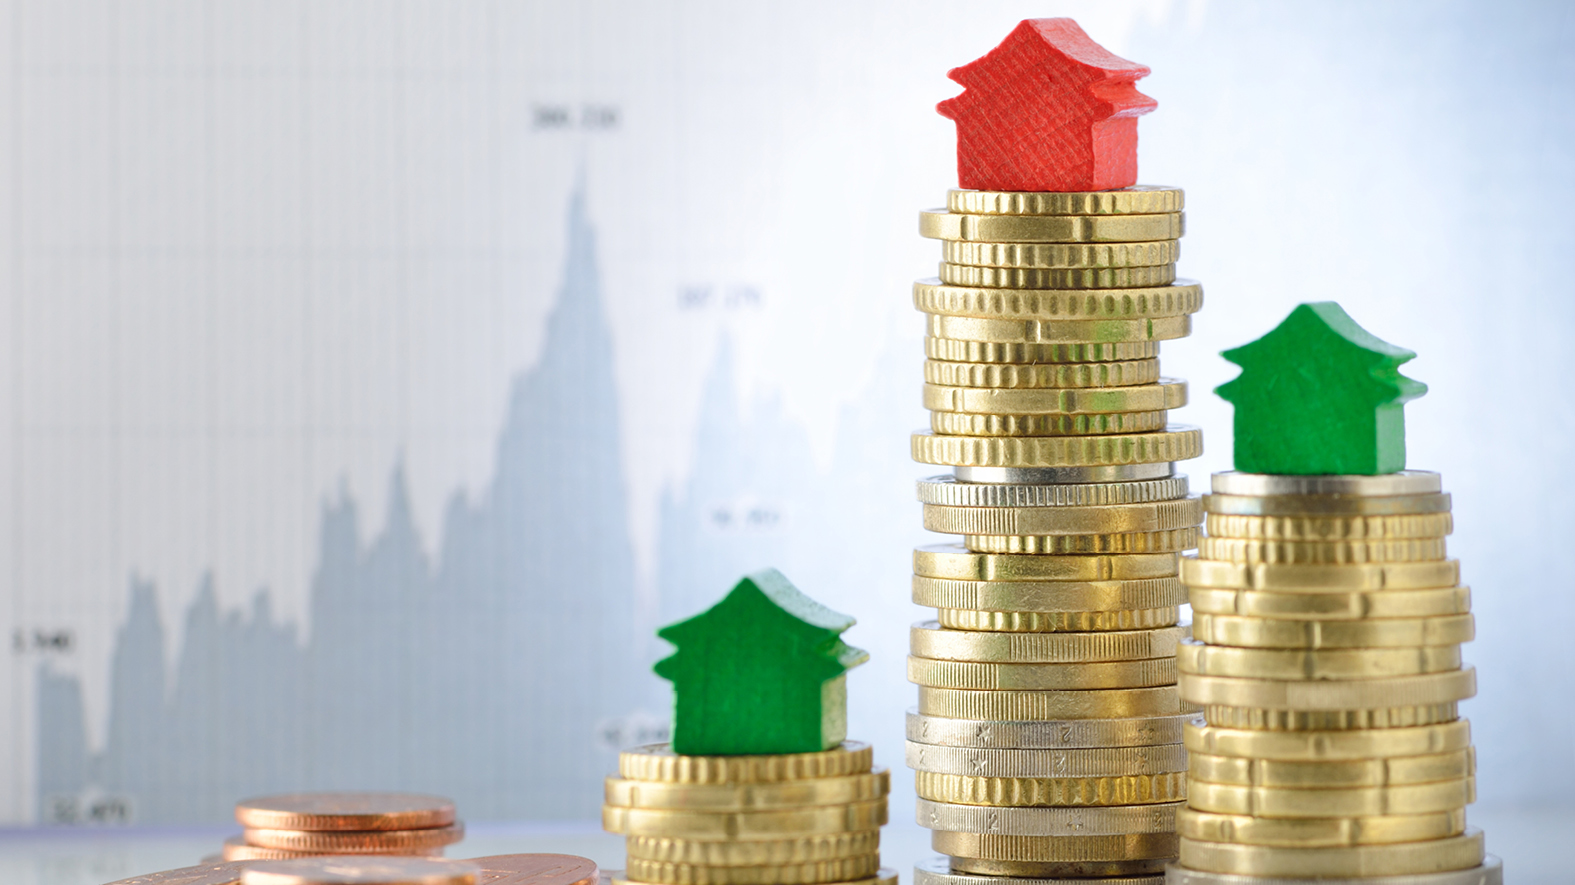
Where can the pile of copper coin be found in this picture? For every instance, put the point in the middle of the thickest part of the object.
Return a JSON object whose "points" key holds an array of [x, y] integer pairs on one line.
{"points": [[292, 825]]}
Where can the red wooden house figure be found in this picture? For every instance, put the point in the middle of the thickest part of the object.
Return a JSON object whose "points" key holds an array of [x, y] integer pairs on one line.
{"points": [[1047, 110]]}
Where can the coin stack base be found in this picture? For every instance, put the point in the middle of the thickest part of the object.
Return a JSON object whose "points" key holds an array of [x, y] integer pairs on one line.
{"points": [[1327, 626], [297, 825], [1047, 740], [789, 819]]}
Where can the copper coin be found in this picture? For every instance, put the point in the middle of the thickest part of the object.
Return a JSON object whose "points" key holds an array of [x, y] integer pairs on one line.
{"points": [[356, 842], [202, 874], [535, 869], [343, 870], [235, 848], [345, 811]]}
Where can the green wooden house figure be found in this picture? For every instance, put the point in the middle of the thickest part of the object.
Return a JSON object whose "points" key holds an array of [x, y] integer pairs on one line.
{"points": [[1320, 395], [762, 671]]}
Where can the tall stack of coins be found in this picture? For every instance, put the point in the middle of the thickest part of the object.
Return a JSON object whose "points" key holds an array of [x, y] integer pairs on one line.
{"points": [[307, 824], [788, 819], [1047, 740], [1327, 626]]}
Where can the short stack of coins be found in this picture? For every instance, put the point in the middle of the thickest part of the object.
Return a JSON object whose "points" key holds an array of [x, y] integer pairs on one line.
{"points": [[294, 825], [783, 819], [1327, 625], [1047, 740]]}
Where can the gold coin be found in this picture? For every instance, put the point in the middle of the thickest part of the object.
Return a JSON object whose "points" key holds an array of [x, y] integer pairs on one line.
{"points": [[1134, 789], [1078, 279], [1326, 505], [1055, 764], [353, 841], [1342, 663], [1319, 832], [1178, 442], [1305, 578], [1339, 774], [339, 870], [938, 224], [1124, 373], [883, 876], [345, 811], [1035, 706], [1062, 256], [1130, 872], [1403, 859], [954, 562], [928, 640], [1332, 606], [1041, 677], [1354, 802], [1128, 846], [658, 762], [1076, 520], [1167, 394], [1139, 199], [743, 797], [1057, 622], [1329, 746], [1169, 541], [839, 870], [1285, 633], [951, 349], [768, 852], [729, 826], [1035, 331], [1327, 552], [1329, 694], [1330, 528], [1329, 720], [1065, 597], [970, 424]]}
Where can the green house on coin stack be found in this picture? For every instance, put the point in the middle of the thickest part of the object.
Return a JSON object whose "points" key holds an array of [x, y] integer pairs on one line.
{"points": [[1320, 395], [762, 671]]}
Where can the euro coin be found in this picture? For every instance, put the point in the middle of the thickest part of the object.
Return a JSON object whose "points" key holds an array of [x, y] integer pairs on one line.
{"points": [[1285, 633], [1330, 528], [1115, 820], [1331, 606], [1365, 694], [1324, 552], [658, 762], [953, 561], [839, 870], [1030, 331], [1332, 578], [355, 842], [1124, 373], [1353, 802], [1086, 520], [1128, 846], [976, 424], [1049, 597], [1165, 541], [1329, 720], [1404, 482], [345, 811], [536, 869], [938, 224], [1117, 703], [1331, 774], [1056, 763], [1139, 199], [1061, 255], [1139, 789], [928, 640], [1326, 505], [1055, 622], [1385, 743], [765, 852], [937, 870], [744, 825], [954, 350], [882, 876], [228, 873], [1149, 731], [1403, 859], [744, 797], [1178, 442], [1041, 677], [1057, 873], [1319, 832], [1339, 663], [361, 871], [1039, 279]]}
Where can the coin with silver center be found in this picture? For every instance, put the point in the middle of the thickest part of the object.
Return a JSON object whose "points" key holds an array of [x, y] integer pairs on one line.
{"points": [[1406, 482], [1064, 475], [952, 492], [1066, 734]]}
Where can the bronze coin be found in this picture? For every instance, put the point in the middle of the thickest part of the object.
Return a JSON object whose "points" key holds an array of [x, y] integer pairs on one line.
{"points": [[535, 869], [202, 874], [356, 841], [345, 811], [352, 870], [235, 848]]}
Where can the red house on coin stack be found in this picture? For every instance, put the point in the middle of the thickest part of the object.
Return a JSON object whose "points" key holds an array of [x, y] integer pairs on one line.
{"points": [[1047, 110]]}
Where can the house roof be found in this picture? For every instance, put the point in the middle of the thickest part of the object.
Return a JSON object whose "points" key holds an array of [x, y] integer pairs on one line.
{"points": [[1059, 50]]}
